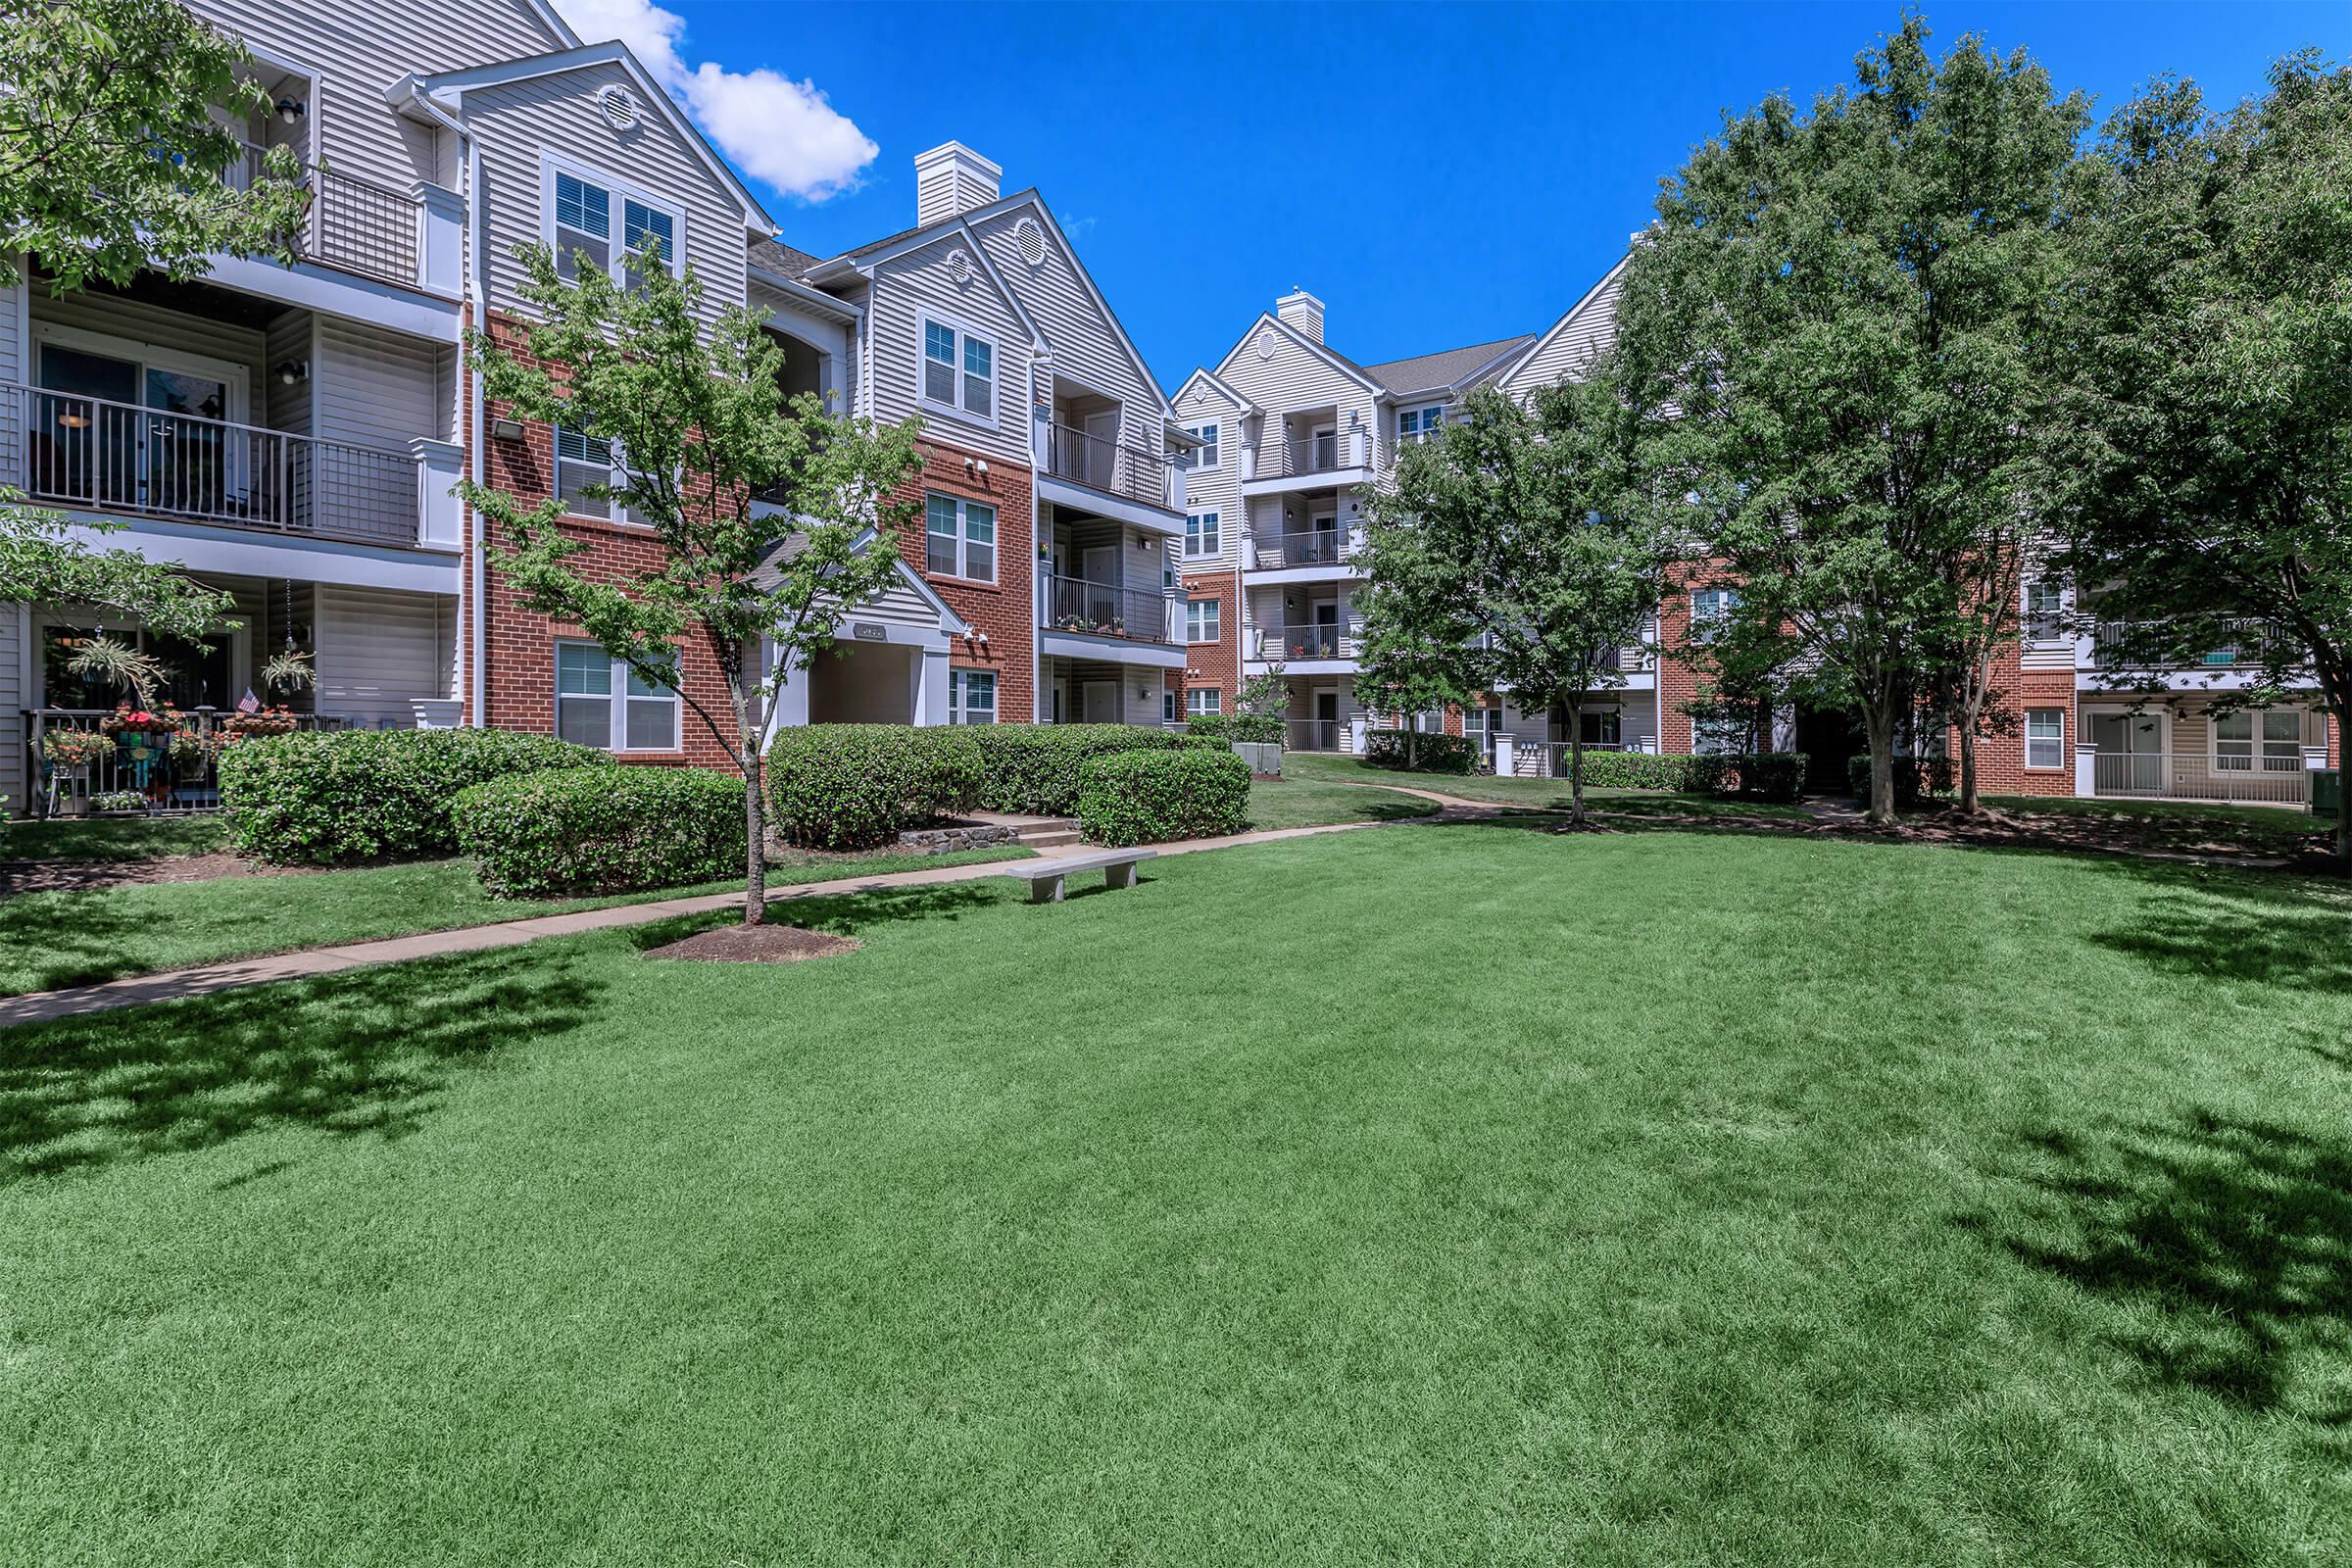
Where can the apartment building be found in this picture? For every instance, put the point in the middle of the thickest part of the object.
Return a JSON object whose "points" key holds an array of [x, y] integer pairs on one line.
{"points": [[291, 434]]}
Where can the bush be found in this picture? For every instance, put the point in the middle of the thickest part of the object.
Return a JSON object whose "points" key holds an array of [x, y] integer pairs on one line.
{"points": [[1755, 775], [335, 797], [1035, 768], [1245, 727], [1151, 797], [603, 829], [1430, 753], [1635, 770], [1915, 778], [853, 786]]}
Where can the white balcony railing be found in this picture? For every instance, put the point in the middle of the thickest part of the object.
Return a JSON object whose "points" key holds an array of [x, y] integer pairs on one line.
{"points": [[90, 454], [2274, 779]]}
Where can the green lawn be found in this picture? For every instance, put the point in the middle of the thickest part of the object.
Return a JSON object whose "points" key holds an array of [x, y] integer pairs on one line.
{"points": [[1307, 801], [1535, 794], [2254, 827], [64, 939], [134, 838], [1459, 1195]]}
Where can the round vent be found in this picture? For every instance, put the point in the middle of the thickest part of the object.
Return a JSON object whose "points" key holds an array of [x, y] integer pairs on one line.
{"points": [[1265, 344], [1032, 241], [959, 268], [620, 107]]}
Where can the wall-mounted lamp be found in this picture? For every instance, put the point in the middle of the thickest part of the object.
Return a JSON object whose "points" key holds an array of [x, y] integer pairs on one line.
{"points": [[293, 371], [506, 429], [74, 420], [981, 639], [289, 110]]}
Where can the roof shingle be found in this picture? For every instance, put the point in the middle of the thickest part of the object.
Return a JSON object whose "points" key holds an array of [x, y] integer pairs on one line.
{"points": [[1431, 372]]}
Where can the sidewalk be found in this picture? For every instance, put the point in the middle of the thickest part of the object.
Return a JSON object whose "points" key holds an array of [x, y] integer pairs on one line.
{"points": [[171, 985]]}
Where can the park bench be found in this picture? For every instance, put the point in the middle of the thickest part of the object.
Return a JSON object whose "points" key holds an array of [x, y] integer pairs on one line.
{"points": [[1048, 875]]}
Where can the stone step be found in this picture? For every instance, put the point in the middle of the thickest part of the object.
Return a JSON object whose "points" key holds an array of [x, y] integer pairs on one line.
{"points": [[1049, 838]]}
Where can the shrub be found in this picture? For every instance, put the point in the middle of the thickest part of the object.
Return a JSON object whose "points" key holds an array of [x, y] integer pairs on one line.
{"points": [[336, 796], [1635, 770], [1248, 728], [1430, 753], [1915, 777], [853, 786], [1151, 797], [603, 829], [1756, 776], [1035, 768]]}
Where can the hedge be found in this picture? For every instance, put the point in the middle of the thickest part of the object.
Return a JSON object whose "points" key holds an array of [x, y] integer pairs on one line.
{"points": [[1755, 775], [853, 786], [1430, 753], [1034, 768], [603, 829], [335, 797], [1915, 777], [1634, 770], [1151, 797], [1245, 727]]}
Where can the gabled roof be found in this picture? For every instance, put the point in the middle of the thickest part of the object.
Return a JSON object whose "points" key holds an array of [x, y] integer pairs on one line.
{"points": [[1209, 380], [1447, 368], [454, 85], [1338, 360], [1561, 326], [774, 256], [767, 575]]}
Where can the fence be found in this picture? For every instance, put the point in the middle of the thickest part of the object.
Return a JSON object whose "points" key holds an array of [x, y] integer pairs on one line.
{"points": [[74, 761], [2167, 775]]}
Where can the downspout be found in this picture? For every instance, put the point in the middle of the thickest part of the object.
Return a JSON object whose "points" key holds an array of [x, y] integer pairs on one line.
{"points": [[472, 579]]}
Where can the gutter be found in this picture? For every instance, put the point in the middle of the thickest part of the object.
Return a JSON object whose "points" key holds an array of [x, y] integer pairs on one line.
{"points": [[816, 299]]}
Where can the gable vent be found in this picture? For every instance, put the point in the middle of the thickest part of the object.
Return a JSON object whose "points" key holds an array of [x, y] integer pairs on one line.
{"points": [[1032, 241], [959, 268], [619, 106]]}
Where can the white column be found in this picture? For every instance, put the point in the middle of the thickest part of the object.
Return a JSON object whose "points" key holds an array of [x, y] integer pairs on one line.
{"points": [[439, 514], [440, 240], [1506, 754], [2087, 769], [931, 692], [1355, 735]]}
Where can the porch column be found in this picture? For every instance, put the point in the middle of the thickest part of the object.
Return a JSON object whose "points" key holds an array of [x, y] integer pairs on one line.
{"points": [[931, 688], [439, 464], [1355, 735], [2087, 769], [1506, 754], [440, 240], [792, 698]]}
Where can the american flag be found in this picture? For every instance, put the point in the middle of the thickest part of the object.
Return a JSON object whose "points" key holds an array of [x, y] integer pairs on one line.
{"points": [[249, 704]]}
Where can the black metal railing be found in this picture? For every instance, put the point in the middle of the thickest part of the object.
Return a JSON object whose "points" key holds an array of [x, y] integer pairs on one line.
{"points": [[2244, 643], [1110, 466], [1108, 610], [1319, 640], [83, 761], [1318, 547], [355, 225]]}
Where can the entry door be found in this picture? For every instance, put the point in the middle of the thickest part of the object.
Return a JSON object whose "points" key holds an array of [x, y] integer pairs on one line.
{"points": [[2137, 739], [1097, 565], [1327, 629], [1101, 450], [1326, 447], [1326, 719], [84, 450], [1101, 701]]}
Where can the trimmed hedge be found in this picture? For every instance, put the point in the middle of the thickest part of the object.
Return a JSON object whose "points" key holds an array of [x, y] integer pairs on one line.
{"points": [[336, 796], [1635, 770], [1034, 768], [1237, 728], [1431, 753], [1145, 797], [855, 786], [1778, 776], [603, 829], [1915, 777]]}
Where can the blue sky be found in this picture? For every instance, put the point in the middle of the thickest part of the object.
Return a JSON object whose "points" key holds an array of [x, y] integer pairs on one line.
{"points": [[1438, 174]]}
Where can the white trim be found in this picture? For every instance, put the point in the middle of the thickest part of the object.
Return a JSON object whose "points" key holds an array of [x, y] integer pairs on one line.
{"points": [[1069, 251], [2027, 737], [2256, 741], [1241, 404], [1266, 319], [1184, 549], [1215, 618], [1220, 442], [618, 191], [1561, 326], [145, 356], [619, 696], [963, 538], [960, 683], [925, 317]]}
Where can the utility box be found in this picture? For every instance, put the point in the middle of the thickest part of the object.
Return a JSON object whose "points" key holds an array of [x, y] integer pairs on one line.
{"points": [[2326, 791]]}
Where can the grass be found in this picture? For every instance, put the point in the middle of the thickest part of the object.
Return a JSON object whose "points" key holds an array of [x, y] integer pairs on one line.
{"points": [[1533, 794], [136, 838], [1312, 801], [66, 939], [2276, 828], [1465, 1194]]}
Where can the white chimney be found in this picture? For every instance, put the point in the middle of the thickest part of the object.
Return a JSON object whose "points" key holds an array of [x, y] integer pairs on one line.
{"points": [[952, 178], [1301, 313]]}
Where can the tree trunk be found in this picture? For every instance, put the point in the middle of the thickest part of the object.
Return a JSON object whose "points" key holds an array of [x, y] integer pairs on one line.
{"points": [[1576, 762], [1878, 721], [754, 822], [1968, 764]]}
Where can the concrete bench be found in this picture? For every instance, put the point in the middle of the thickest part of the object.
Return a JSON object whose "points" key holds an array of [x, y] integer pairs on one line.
{"points": [[1047, 876]]}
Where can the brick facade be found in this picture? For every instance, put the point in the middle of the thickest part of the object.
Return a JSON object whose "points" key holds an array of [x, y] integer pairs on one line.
{"points": [[1215, 664], [1004, 612]]}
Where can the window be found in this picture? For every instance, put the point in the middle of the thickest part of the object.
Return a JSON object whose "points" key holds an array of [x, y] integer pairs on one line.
{"points": [[971, 697], [1200, 620], [1418, 424], [960, 370], [1202, 534], [581, 461], [2235, 746], [1202, 699], [581, 227], [2046, 737], [2044, 605], [1710, 607], [1205, 456], [1717, 736], [1601, 726], [1167, 707], [644, 719], [961, 538]]}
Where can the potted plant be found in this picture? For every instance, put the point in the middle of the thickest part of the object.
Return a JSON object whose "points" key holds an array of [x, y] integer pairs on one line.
{"points": [[70, 751], [119, 803]]}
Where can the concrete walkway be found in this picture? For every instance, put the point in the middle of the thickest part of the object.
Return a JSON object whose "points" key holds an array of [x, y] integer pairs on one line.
{"points": [[171, 985]]}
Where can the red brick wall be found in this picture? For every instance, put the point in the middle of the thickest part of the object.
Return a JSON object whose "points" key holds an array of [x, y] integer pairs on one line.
{"points": [[1679, 680], [1005, 611], [1217, 664], [2001, 758]]}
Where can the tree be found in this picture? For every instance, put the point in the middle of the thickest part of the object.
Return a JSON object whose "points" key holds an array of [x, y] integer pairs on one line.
{"points": [[110, 159], [1829, 331], [2205, 450], [42, 562], [1497, 557], [690, 404]]}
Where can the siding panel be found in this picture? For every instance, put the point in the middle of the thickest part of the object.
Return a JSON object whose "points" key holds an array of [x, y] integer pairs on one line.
{"points": [[919, 281], [378, 649]]}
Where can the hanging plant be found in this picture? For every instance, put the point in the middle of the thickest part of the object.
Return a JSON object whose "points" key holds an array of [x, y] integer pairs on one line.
{"points": [[288, 672], [110, 662]]}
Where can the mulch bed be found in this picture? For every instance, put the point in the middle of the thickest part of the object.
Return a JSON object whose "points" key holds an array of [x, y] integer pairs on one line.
{"points": [[90, 876], [756, 943]]}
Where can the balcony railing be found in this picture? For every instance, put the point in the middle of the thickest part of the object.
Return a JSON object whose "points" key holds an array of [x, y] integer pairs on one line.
{"points": [[91, 453], [1106, 610], [1109, 466], [1320, 640], [2274, 780], [2127, 645], [1315, 734], [72, 761], [355, 224], [1321, 547]]}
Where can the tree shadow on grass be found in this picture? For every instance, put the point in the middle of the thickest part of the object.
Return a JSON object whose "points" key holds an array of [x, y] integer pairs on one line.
{"points": [[359, 1053], [2220, 1249], [2271, 928], [77, 938], [843, 914]]}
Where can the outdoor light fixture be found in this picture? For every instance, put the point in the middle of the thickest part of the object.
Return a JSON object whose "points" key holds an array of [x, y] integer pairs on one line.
{"points": [[506, 429], [289, 110], [294, 370], [74, 420]]}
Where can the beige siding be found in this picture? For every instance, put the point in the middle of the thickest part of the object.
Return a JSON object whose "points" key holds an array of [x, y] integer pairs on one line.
{"points": [[141, 324], [15, 697], [377, 649], [289, 406], [1216, 489], [918, 282], [1563, 352], [377, 388], [900, 606], [557, 114], [1086, 346], [1293, 378], [14, 301]]}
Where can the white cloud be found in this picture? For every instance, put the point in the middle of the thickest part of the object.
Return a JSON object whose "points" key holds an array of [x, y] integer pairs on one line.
{"points": [[1075, 226], [779, 132]]}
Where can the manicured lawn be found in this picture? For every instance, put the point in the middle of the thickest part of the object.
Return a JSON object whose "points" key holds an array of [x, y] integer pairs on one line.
{"points": [[1310, 801], [2255, 826], [1535, 794], [64, 939], [1457, 1195], [136, 838]]}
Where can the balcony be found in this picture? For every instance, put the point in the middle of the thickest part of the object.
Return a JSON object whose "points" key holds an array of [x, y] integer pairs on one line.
{"points": [[1299, 643], [1093, 476], [1083, 619], [75, 756], [2272, 779], [88, 454], [1316, 461], [1284, 551], [2119, 645]]}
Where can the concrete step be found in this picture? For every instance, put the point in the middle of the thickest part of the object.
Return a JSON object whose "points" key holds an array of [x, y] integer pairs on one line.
{"points": [[1034, 838]]}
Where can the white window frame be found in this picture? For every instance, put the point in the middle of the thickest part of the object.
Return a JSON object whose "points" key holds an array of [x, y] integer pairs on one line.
{"points": [[616, 471], [1210, 454], [1706, 625], [1203, 702], [964, 542], [619, 700], [2257, 756], [618, 193], [960, 707], [927, 319], [2043, 627], [1203, 628], [1203, 526], [1427, 419], [2058, 762]]}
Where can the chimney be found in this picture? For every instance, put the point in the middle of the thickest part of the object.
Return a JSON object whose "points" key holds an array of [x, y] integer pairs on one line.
{"points": [[952, 178], [1300, 312]]}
